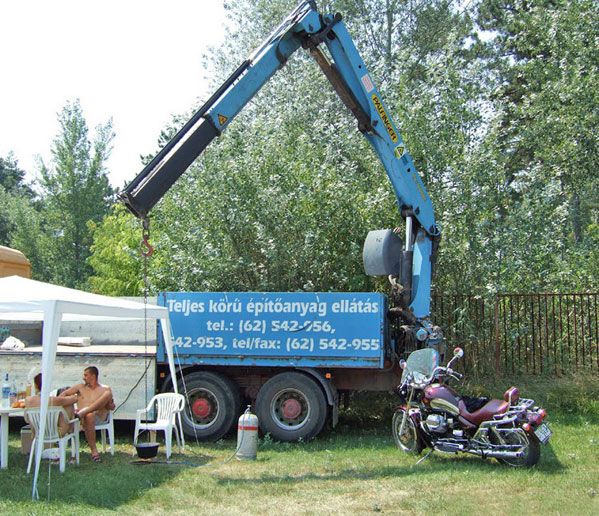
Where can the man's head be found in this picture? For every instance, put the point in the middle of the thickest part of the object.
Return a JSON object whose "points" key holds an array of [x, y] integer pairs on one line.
{"points": [[90, 375]]}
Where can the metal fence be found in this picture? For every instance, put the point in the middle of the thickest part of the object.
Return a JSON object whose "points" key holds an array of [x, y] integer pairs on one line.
{"points": [[539, 334]]}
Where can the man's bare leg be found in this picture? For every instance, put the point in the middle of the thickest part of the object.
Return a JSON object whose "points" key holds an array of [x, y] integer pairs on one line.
{"points": [[66, 427], [90, 433]]}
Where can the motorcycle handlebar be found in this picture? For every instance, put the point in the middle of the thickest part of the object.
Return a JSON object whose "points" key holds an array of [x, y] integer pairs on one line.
{"points": [[427, 379], [451, 372]]}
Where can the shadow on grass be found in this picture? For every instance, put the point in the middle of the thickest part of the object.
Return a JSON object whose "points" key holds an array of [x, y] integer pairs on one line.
{"points": [[115, 481], [377, 440], [435, 463], [339, 474], [549, 464]]}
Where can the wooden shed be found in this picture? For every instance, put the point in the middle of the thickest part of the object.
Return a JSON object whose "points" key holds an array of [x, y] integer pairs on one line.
{"points": [[13, 263]]}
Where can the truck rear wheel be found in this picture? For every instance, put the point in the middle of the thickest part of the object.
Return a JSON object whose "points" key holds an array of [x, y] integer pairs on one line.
{"points": [[291, 406], [212, 407]]}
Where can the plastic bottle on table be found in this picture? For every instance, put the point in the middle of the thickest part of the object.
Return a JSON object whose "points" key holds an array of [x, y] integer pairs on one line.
{"points": [[13, 393]]}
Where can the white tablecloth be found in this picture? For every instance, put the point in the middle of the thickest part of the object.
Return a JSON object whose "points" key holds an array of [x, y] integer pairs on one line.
{"points": [[4, 414]]}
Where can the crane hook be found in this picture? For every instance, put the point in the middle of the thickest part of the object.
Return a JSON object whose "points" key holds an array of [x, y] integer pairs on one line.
{"points": [[147, 249]]}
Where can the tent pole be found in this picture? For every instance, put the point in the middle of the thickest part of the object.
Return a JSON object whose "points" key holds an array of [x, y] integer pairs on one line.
{"points": [[51, 330], [167, 335]]}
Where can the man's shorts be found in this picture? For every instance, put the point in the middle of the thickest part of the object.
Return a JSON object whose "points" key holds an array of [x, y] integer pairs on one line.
{"points": [[101, 420]]}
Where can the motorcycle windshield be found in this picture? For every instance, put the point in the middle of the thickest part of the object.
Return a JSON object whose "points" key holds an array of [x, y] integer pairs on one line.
{"points": [[421, 363]]}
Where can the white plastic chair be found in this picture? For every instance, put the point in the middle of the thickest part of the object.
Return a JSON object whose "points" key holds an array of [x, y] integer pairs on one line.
{"points": [[52, 435], [107, 427], [168, 407]]}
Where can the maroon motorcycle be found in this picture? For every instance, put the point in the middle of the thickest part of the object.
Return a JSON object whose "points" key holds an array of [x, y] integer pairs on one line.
{"points": [[433, 415]]}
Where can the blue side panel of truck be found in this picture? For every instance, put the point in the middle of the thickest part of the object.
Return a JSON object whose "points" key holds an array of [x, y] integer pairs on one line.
{"points": [[277, 329]]}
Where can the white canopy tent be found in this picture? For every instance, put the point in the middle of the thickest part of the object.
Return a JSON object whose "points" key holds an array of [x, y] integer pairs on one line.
{"points": [[25, 299]]}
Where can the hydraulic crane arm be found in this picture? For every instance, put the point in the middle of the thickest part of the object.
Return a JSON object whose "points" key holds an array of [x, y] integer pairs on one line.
{"points": [[211, 119], [306, 28]]}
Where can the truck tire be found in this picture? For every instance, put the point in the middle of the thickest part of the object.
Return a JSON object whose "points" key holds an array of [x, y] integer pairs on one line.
{"points": [[291, 406], [212, 405]]}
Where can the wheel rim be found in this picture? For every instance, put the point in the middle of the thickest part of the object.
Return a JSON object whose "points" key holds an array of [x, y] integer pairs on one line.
{"points": [[290, 409], [407, 440], [203, 408], [517, 438]]}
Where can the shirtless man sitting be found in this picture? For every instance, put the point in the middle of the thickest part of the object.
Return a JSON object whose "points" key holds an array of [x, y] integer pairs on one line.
{"points": [[67, 402], [94, 401]]}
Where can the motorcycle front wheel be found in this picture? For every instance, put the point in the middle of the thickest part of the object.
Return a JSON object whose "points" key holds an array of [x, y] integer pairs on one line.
{"points": [[531, 447], [408, 441]]}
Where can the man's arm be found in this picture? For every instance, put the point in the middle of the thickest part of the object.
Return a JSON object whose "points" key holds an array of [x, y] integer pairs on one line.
{"points": [[72, 390], [64, 401], [102, 402]]}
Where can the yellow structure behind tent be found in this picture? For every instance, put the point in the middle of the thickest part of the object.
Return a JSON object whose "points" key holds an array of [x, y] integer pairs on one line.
{"points": [[13, 262]]}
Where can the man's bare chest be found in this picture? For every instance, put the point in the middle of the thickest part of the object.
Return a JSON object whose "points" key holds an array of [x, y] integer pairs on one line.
{"points": [[88, 394]]}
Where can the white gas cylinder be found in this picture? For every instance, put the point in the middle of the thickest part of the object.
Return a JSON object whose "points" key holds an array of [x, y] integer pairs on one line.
{"points": [[247, 436]]}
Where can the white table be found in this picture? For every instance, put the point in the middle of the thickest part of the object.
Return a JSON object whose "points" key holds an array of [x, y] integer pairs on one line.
{"points": [[4, 414]]}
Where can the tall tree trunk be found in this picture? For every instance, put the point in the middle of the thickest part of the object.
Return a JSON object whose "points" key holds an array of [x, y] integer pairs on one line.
{"points": [[575, 218]]}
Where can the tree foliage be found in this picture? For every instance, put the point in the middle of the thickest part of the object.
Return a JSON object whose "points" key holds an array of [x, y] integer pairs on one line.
{"points": [[497, 102], [117, 269], [21, 218], [543, 141], [12, 178], [76, 192], [14, 194]]}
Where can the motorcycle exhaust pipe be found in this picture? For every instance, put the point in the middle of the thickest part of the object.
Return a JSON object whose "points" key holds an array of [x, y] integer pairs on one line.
{"points": [[496, 454], [455, 448], [450, 448]]}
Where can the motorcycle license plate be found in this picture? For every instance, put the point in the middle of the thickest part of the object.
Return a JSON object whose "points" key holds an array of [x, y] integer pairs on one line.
{"points": [[543, 432]]}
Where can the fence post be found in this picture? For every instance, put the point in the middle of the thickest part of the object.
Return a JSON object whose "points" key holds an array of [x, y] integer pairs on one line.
{"points": [[496, 335]]}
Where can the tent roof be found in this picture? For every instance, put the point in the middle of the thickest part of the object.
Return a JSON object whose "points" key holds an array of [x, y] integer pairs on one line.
{"points": [[26, 299], [22, 298]]}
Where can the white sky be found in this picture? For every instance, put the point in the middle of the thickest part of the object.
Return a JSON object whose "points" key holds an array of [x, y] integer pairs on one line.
{"points": [[137, 61]]}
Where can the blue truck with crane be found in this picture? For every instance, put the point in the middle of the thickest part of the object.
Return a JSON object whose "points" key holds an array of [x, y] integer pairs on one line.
{"points": [[294, 355]]}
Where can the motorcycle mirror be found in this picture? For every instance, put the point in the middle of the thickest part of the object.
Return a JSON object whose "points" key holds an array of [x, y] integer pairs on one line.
{"points": [[458, 352], [403, 363]]}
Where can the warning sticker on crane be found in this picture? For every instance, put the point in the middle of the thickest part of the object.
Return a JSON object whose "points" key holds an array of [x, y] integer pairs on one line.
{"points": [[367, 83], [222, 119], [385, 118], [399, 151]]}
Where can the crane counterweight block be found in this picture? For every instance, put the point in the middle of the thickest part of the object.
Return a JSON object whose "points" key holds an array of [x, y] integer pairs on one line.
{"points": [[382, 253]]}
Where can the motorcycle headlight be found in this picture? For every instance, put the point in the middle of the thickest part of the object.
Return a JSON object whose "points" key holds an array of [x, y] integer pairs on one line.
{"points": [[402, 392]]}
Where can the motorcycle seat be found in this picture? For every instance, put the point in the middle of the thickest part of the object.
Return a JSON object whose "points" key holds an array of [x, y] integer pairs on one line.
{"points": [[486, 412]]}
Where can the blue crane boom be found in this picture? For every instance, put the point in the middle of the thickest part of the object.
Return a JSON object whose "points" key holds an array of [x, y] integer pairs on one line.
{"points": [[306, 28]]}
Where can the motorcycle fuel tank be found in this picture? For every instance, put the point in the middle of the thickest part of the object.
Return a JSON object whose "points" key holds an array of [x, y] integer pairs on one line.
{"points": [[442, 397]]}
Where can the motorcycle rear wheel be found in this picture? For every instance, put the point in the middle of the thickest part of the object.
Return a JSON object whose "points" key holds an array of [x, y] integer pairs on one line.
{"points": [[408, 442], [532, 450]]}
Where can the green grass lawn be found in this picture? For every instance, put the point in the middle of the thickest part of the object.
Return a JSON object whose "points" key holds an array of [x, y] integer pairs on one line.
{"points": [[354, 468]]}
